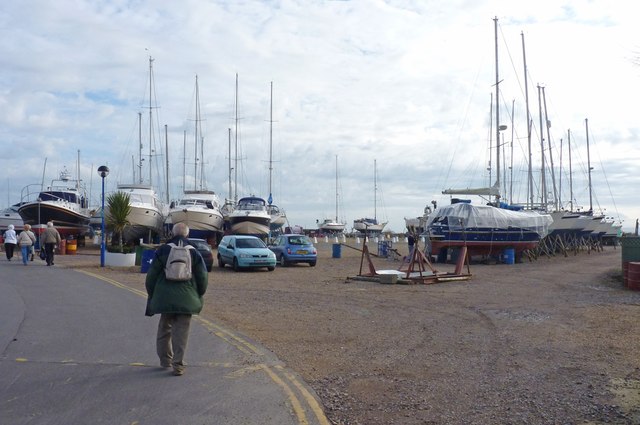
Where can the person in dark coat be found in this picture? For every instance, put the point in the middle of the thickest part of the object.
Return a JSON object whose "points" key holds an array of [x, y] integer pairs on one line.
{"points": [[175, 301], [49, 239]]}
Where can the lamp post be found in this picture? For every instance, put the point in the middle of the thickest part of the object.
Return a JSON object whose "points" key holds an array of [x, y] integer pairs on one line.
{"points": [[103, 170]]}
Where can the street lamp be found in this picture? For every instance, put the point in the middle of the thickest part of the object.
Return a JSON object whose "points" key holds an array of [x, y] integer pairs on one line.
{"points": [[103, 170]]}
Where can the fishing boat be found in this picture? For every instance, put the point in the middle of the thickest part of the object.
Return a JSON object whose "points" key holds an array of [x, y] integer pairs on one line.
{"points": [[199, 208], [332, 225], [250, 217], [486, 229], [371, 225], [64, 203]]}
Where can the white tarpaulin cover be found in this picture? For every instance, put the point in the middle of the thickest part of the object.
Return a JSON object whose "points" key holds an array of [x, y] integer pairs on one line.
{"points": [[485, 216]]}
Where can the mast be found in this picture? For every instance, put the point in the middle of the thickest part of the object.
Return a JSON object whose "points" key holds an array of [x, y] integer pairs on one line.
{"points": [[495, 21], [150, 118], [196, 136], [336, 188], [184, 160], [230, 169], [526, 96], [560, 178], [586, 125], [543, 184], [551, 165], [235, 170], [166, 159], [570, 172], [513, 107], [270, 142], [139, 148]]}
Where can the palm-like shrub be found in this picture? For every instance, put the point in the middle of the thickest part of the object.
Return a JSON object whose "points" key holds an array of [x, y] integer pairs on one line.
{"points": [[118, 215]]}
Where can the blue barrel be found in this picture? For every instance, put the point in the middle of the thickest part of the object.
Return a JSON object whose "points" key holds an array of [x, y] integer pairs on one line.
{"points": [[509, 255], [337, 250], [383, 249], [147, 258]]}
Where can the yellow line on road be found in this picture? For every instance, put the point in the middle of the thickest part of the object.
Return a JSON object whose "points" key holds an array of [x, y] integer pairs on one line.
{"points": [[246, 347]]}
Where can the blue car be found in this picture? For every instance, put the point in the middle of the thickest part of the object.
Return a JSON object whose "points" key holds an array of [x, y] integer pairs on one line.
{"points": [[293, 248], [242, 251]]}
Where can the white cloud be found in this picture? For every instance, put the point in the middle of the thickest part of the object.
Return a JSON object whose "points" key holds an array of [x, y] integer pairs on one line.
{"points": [[407, 83]]}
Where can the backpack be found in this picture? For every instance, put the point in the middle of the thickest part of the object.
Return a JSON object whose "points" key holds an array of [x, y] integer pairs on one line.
{"points": [[178, 267]]}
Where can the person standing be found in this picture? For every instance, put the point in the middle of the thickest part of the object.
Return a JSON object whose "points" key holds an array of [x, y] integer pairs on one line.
{"points": [[10, 241], [175, 300], [26, 239], [49, 239]]}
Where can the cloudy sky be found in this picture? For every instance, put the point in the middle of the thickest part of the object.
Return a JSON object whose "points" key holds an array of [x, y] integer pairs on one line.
{"points": [[407, 84]]}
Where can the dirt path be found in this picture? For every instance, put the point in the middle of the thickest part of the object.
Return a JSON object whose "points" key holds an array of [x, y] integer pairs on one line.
{"points": [[556, 341]]}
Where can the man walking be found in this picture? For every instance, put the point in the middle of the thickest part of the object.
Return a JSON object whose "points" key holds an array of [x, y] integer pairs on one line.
{"points": [[175, 297], [49, 239]]}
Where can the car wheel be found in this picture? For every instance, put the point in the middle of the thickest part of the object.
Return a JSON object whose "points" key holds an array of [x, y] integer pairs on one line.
{"points": [[235, 264], [271, 268], [220, 262], [312, 264], [283, 261]]}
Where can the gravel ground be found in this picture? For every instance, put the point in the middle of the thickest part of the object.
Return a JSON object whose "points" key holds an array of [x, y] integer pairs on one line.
{"points": [[555, 341]]}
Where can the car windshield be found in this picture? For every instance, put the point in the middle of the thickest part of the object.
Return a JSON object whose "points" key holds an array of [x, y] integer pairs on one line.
{"points": [[299, 240], [250, 243], [200, 245]]}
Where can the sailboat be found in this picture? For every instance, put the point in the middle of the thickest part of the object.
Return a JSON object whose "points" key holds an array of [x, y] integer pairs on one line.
{"points": [[146, 218], [247, 216], [371, 225], [278, 215], [199, 208], [331, 225], [486, 229]]}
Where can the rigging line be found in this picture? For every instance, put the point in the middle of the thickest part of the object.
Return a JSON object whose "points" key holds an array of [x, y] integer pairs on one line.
{"points": [[604, 173], [461, 125]]}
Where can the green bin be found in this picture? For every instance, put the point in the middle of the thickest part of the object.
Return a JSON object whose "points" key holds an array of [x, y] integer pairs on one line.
{"points": [[139, 249], [630, 249]]}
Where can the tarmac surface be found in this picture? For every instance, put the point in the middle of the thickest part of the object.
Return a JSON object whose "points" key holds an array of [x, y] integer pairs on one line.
{"points": [[76, 348]]}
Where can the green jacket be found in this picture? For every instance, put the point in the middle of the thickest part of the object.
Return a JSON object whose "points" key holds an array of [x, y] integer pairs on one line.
{"points": [[175, 297]]}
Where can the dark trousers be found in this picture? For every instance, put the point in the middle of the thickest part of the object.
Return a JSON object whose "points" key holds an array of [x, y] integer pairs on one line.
{"points": [[49, 249], [9, 247]]}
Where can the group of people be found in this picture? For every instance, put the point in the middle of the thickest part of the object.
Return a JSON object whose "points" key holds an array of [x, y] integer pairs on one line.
{"points": [[26, 241], [175, 300]]}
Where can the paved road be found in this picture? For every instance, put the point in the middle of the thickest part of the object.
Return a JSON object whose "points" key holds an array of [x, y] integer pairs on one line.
{"points": [[77, 349]]}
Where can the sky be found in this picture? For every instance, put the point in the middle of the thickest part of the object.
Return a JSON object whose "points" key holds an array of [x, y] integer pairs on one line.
{"points": [[377, 106]]}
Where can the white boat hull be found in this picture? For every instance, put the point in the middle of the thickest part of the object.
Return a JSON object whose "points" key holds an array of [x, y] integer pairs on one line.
{"points": [[332, 227], [250, 225], [200, 219]]}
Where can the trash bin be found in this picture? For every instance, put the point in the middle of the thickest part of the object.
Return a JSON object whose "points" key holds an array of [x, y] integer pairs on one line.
{"points": [[630, 249], [62, 247], [509, 256], [337, 250], [630, 253], [147, 258], [383, 249], [72, 246]]}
